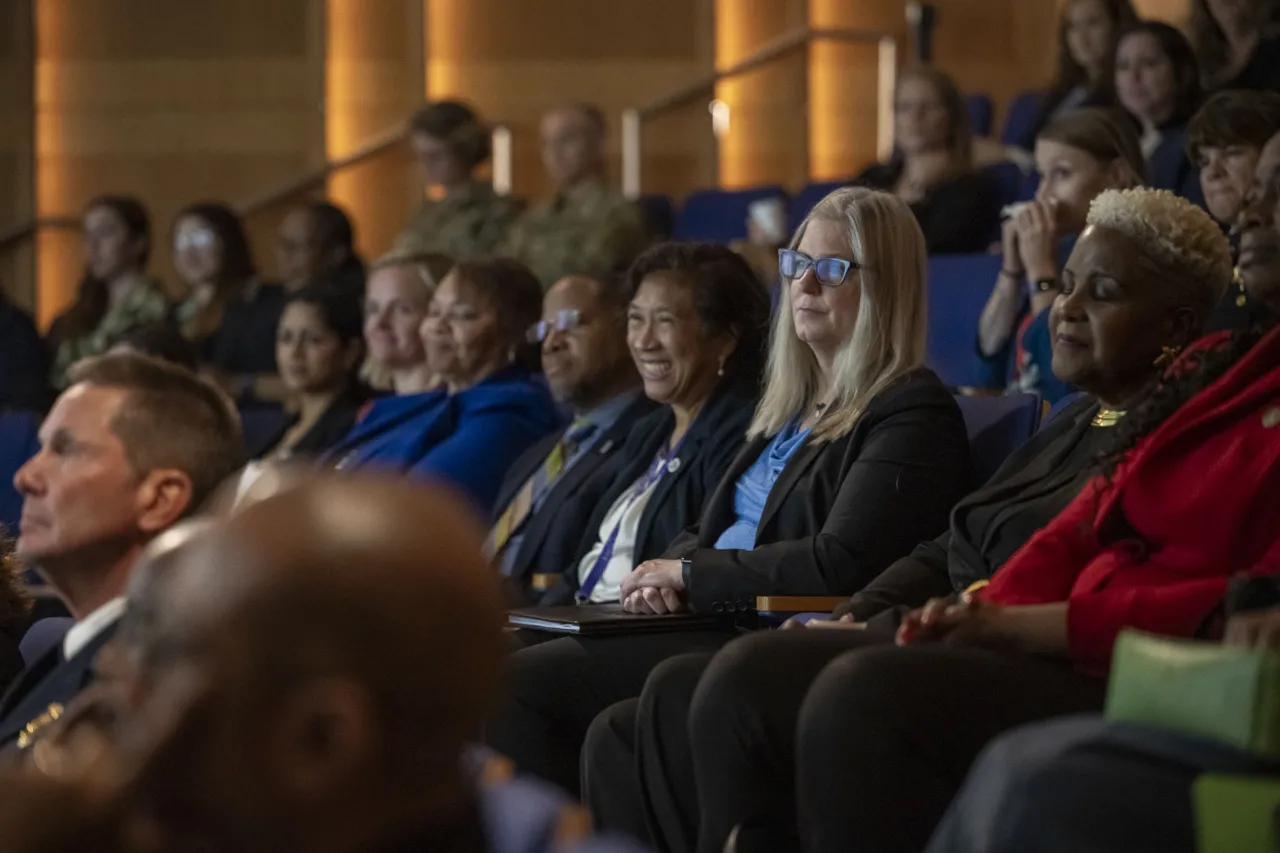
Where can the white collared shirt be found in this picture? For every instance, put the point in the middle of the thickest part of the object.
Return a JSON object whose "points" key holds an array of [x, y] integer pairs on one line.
{"points": [[82, 633]]}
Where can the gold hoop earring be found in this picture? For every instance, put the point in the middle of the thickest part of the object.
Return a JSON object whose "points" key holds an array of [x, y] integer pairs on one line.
{"points": [[1168, 355]]}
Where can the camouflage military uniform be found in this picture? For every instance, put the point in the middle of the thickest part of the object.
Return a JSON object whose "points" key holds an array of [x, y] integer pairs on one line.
{"points": [[590, 229], [145, 304], [467, 225]]}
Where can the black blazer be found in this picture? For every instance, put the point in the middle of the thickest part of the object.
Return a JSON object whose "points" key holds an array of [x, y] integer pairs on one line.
{"points": [[956, 216], [712, 441], [955, 560], [552, 534], [50, 680], [330, 428], [842, 510]]}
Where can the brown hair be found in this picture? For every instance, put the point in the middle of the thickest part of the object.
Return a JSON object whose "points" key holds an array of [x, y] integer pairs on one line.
{"points": [[1104, 134], [959, 134], [1210, 41], [458, 125], [174, 419], [1233, 118], [1070, 73], [516, 296], [15, 604]]}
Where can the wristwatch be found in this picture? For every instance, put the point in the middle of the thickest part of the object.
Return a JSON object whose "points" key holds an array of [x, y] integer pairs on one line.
{"points": [[686, 568], [1047, 284]]}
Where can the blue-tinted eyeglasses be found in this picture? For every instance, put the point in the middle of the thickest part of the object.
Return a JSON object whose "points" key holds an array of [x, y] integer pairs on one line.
{"points": [[565, 321], [830, 272]]}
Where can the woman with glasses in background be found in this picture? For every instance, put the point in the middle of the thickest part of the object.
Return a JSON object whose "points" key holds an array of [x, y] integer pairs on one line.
{"points": [[856, 452], [696, 327]]}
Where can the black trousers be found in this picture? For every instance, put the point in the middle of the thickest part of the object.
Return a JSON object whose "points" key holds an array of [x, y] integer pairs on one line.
{"points": [[887, 734], [554, 690], [709, 744]]}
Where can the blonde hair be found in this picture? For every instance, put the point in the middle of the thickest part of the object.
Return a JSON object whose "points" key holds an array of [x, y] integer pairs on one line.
{"points": [[431, 268], [888, 337], [1182, 241]]}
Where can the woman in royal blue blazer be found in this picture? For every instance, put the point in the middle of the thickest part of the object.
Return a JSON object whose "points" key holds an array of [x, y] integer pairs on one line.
{"points": [[490, 404]]}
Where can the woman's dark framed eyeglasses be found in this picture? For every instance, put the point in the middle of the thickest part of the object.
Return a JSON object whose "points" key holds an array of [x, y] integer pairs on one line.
{"points": [[830, 272], [565, 321]]}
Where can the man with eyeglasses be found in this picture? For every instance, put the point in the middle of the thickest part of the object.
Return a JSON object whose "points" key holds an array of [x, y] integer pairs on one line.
{"points": [[551, 491]]}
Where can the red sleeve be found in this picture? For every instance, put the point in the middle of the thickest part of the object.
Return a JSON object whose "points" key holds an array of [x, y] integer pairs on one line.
{"points": [[1172, 609], [1046, 567]]}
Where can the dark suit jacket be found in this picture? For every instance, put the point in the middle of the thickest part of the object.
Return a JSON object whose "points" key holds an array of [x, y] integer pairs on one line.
{"points": [[956, 217], [1169, 167], [955, 560], [842, 510], [713, 440], [48, 681], [552, 534], [330, 428]]}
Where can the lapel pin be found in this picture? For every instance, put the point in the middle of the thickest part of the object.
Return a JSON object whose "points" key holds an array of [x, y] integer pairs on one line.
{"points": [[673, 466]]}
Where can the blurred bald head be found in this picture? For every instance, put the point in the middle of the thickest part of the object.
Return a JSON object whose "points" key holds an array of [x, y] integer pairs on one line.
{"points": [[329, 650]]}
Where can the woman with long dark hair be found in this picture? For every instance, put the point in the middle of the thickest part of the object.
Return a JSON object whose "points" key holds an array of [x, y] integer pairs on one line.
{"points": [[1087, 34], [1238, 42], [115, 294]]}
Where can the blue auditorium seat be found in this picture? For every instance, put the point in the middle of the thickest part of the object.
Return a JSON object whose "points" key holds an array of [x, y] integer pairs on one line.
{"points": [[1018, 122], [980, 113], [803, 201], [719, 216], [997, 426], [18, 443], [659, 214], [958, 289]]}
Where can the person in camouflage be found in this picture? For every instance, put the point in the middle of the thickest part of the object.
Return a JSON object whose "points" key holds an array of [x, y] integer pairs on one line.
{"points": [[470, 219], [587, 227]]}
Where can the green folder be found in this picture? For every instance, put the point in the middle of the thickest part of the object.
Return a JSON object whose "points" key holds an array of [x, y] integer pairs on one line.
{"points": [[1228, 694], [1236, 814]]}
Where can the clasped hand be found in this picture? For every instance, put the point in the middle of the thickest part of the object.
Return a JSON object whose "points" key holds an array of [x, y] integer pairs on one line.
{"points": [[655, 587], [966, 623]]}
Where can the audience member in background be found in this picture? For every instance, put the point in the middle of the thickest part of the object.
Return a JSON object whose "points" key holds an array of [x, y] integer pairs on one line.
{"points": [[1225, 139], [932, 165], [396, 301], [24, 361], [1238, 42], [1087, 783], [132, 446], [319, 347], [489, 408], [1140, 282], [856, 453], [469, 220], [115, 293], [1078, 156], [1158, 82], [766, 234], [1150, 545], [160, 340], [552, 490], [229, 314], [317, 243], [697, 327], [586, 226], [1087, 35]]}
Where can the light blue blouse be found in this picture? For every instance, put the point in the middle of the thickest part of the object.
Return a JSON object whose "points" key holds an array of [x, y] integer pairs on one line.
{"points": [[754, 486]]}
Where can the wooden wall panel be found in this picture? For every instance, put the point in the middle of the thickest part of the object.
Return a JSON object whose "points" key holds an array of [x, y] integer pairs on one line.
{"points": [[17, 199], [174, 104], [515, 59], [374, 81]]}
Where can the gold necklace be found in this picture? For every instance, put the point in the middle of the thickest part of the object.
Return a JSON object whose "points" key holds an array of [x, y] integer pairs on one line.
{"points": [[1107, 417]]}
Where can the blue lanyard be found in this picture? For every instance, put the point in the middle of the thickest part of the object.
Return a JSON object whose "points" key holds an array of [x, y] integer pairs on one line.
{"points": [[655, 472]]}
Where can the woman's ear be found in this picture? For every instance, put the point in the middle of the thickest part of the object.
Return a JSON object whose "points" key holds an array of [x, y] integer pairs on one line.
{"points": [[1120, 174], [1185, 326]]}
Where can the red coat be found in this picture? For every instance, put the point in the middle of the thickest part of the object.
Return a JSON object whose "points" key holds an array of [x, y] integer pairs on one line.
{"points": [[1203, 492]]}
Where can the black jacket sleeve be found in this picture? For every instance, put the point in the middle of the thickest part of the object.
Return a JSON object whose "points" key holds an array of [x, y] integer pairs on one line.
{"points": [[909, 582], [910, 469]]}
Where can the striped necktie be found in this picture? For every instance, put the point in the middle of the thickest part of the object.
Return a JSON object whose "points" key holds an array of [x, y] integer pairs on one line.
{"points": [[534, 488]]}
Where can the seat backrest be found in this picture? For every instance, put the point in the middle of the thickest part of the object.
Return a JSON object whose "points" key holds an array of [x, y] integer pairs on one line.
{"points": [[43, 635], [1056, 408], [720, 216], [1022, 114], [959, 286], [804, 201], [18, 442], [980, 112], [997, 426]]}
